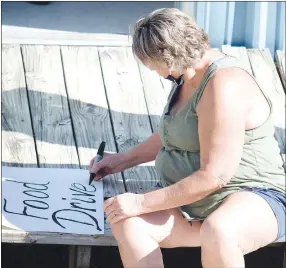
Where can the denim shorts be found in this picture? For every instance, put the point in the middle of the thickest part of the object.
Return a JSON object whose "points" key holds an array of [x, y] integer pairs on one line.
{"points": [[275, 199], [277, 202]]}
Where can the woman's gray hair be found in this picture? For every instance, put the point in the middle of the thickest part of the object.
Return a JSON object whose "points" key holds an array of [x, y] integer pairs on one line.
{"points": [[169, 36]]}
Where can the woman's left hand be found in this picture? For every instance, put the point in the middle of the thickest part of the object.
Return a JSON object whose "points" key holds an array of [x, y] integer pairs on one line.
{"points": [[123, 206]]}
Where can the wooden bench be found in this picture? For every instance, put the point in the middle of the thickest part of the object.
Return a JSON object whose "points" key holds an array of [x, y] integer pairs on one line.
{"points": [[59, 102]]}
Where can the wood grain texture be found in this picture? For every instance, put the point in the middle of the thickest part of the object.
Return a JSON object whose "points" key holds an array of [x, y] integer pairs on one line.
{"points": [[155, 94], [128, 110], [49, 107], [280, 59], [265, 72], [240, 53], [12, 236], [83, 256], [18, 146], [72, 256], [89, 109]]}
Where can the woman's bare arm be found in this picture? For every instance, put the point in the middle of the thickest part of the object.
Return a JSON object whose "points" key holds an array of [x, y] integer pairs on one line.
{"points": [[145, 151]]}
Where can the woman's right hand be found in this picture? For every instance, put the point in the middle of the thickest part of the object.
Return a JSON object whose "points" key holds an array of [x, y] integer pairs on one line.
{"points": [[109, 164]]}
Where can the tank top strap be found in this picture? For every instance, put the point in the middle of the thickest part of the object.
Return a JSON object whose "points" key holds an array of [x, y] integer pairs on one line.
{"points": [[225, 62]]}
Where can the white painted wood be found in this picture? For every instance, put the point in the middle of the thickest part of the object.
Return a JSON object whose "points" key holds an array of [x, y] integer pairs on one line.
{"points": [[240, 53], [17, 134], [89, 109], [128, 110], [187, 7], [280, 58], [49, 107], [34, 36]]}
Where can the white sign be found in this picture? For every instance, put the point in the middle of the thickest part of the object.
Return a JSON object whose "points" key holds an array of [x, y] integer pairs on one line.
{"points": [[51, 200]]}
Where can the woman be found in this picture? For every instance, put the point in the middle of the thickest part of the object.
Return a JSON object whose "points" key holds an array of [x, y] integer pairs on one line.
{"points": [[219, 165]]}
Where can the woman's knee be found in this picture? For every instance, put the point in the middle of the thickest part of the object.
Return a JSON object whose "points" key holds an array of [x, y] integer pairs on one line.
{"points": [[215, 231], [127, 227], [157, 225]]}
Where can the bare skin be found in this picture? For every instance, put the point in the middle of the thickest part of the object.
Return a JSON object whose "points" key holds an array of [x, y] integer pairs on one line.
{"points": [[235, 228]]}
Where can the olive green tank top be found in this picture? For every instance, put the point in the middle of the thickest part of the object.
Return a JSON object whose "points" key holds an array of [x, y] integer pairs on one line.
{"points": [[260, 165]]}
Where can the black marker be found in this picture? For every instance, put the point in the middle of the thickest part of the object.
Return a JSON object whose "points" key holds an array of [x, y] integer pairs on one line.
{"points": [[98, 157]]}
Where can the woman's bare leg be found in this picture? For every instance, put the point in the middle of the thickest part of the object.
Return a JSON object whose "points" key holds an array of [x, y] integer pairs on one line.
{"points": [[242, 224], [140, 238]]}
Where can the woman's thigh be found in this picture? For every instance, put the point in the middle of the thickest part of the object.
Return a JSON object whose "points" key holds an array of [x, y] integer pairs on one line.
{"points": [[244, 217], [169, 228]]}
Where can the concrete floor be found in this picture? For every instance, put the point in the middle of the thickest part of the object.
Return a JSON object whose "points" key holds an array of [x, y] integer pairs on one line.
{"points": [[79, 17]]}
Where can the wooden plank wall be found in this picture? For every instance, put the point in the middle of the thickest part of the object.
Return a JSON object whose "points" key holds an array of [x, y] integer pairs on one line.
{"points": [[18, 145], [89, 109], [155, 94], [128, 111], [49, 107], [60, 102], [50, 113]]}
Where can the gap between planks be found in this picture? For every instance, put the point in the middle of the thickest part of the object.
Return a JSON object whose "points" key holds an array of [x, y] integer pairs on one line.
{"points": [[128, 110]]}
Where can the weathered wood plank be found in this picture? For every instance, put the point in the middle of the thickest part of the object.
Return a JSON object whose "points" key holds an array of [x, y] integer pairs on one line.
{"points": [[280, 58], [17, 133], [72, 256], [83, 257], [12, 236], [50, 111], [155, 94], [240, 53], [265, 72], [49, 107], [89, 109], [128, 110]]}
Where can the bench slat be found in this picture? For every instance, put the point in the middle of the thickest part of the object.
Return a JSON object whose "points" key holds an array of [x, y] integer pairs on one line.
{"points": [[12, 236]]}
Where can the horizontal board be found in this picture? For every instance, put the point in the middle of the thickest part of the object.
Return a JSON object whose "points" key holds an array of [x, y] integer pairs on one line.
{"points": [[9, 236]]}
